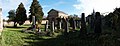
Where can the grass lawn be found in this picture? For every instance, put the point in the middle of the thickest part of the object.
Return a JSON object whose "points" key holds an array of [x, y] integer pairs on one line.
{"points": [[14, 37]]}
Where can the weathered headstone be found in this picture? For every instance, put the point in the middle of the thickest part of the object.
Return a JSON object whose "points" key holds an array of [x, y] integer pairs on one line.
{"points": [[90, 21], [46, 26], [59, 23], [63, 23], [74, 25], [66, 26], [78, 23], [97, 23], [1, 21], [33, 23], [71, 22], [83, 30], [52, 26]]}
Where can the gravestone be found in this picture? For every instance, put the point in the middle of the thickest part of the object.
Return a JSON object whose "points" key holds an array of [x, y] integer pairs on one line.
{"points": [[97, 23], [90, 21], [1, 21], [66, 26], [73, 24], [52, 26], [63, 23], [83, 30], [60, 25], [46, 26], [33, 23], [78, 23]]}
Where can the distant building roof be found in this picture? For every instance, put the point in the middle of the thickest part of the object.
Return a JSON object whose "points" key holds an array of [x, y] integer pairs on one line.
{"points": [[58, 11]]}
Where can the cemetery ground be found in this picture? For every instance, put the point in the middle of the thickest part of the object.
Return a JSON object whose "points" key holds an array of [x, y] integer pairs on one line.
{"points": [[14, 37]]}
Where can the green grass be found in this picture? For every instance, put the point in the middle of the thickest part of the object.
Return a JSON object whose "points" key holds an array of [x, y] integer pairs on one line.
{"points": [[0, 40], [14, 37]]}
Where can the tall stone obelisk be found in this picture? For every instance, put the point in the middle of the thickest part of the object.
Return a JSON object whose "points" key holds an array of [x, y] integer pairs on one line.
{"points": [[1, 21]]}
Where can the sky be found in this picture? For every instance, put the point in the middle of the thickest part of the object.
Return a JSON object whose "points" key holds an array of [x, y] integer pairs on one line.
{"points": [[68, 6]]}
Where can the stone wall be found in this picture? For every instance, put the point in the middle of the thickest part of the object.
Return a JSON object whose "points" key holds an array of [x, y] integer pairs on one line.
{"points": [[26, 22]]}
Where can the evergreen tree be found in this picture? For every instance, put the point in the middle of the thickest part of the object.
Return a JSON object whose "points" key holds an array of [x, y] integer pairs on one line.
{"points": [[12, 17], [21, 16], [36, 10]]}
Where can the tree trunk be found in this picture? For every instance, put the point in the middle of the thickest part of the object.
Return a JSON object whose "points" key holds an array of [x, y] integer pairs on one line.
{"points": [[15, 25]]}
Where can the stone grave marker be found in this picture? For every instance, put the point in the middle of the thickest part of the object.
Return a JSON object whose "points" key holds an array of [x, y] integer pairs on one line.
{"points": [[74, 25], [97, 23], [67, 25], [33, 23], [46, 26], [1, 21], [83, 30], [52, 26]]}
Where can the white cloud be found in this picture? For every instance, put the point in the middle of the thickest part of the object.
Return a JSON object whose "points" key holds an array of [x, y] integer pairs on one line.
{"points": [[102, 6], [13, 4]]}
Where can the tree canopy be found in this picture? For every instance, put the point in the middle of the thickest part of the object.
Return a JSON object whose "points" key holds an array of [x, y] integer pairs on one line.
{"points": [[36, 10], [21, 14]]}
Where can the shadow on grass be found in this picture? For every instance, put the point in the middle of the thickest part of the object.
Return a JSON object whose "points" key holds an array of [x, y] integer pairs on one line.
{"points": [[14, 27], [20, 31], [27, 24], [38, 41], [62, 40], [72, 39]]}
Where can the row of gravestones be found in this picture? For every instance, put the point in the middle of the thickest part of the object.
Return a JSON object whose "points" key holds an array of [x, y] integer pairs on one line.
{"points": [[64, 24]]}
